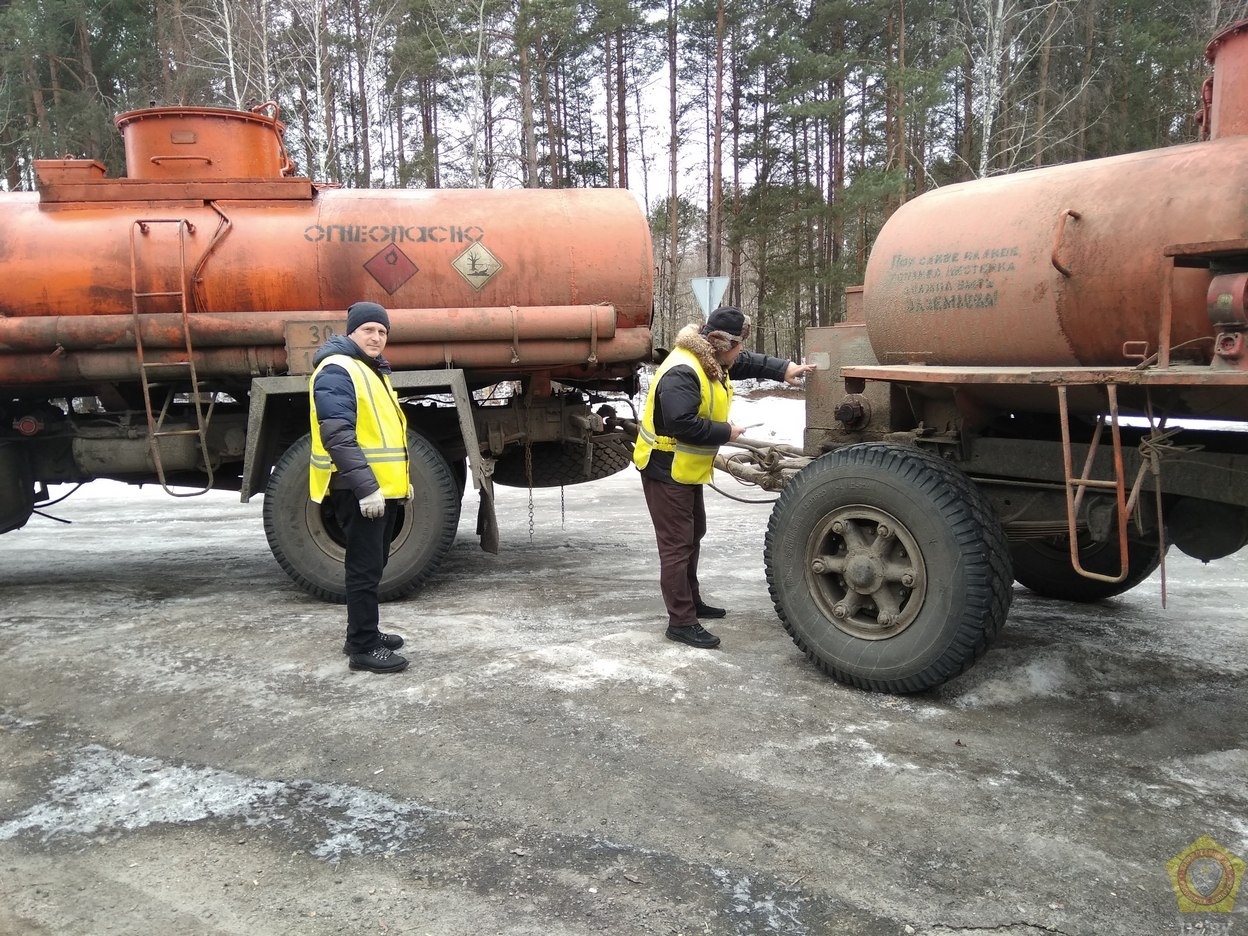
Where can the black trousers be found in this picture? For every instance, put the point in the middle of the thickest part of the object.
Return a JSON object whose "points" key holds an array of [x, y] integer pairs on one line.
{"points": [[678, 513], [368, 549]]}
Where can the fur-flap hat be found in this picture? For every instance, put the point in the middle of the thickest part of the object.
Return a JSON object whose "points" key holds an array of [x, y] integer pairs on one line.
{"points": [[725, 327]]}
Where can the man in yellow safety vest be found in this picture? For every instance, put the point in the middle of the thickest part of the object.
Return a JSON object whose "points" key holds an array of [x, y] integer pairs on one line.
{"points": [[360, 461], [684, 423]]}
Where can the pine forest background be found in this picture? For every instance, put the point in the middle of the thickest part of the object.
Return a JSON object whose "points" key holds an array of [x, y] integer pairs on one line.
{"points": [[767, 140]]}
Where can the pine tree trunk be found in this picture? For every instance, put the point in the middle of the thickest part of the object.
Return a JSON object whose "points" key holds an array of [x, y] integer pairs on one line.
{"points": [[88, 79], [1042, 89], [552, 126], [715, 220], [673, 192], [966, 146], [621, 107], [608, 82], [328, 102], [525, 89], [902, 163], [365, 123], [735, 248]]}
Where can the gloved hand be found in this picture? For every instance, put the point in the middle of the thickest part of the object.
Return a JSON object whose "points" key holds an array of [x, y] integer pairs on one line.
{"points": [[410, 494], [373, 506]]}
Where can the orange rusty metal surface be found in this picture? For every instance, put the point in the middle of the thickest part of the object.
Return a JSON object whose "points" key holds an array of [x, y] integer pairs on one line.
{"points": [[1076, 265], [53, 172], [613, 357], [404, 249], [408, 326], [1228, 109], [207, 214], [1182, 390], [1055, 267], [203, 143], [67, 185], [1191, 376]]}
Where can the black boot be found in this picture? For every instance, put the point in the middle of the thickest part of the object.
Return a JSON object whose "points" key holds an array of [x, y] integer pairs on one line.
{"points": [[378, 660], [695, 635]]}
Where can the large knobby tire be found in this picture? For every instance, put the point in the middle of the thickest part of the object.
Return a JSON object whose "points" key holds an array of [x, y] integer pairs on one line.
{"points": [[308, 543], [554, 464], [887, 567], [1044, 566]]}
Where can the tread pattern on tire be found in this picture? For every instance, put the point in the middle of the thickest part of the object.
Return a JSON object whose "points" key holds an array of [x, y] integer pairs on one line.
{"points": [[444, 490], [557, 463], [975, 528], [1047, 570]]}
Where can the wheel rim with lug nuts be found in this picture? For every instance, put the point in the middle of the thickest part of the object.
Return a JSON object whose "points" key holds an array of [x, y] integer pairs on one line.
{"points": [[866, 572]]}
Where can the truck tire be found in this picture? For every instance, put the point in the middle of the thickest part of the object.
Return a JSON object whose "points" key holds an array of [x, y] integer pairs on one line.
{"points": [[556, 464], [1044, 567], [901, 609], [308, 543]]}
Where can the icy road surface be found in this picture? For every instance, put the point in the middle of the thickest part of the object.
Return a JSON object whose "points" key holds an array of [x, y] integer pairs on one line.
{"points": [[184, 750]]}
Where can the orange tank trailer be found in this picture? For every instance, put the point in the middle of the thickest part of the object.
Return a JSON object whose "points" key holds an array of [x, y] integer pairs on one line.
{"points": [[266, 247], [1043, 379], [1096, 264], [160, 327]]}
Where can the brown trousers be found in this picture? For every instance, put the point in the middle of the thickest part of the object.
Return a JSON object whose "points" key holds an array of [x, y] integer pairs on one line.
{"points": [[679, 517]]}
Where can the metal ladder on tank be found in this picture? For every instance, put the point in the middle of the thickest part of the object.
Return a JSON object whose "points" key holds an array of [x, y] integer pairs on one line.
{"points": [[150, 371], [1077, 486], [1150, 449]]}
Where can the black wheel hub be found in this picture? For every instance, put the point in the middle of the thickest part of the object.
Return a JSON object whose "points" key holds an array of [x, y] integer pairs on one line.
{"points": [[866, 572]]}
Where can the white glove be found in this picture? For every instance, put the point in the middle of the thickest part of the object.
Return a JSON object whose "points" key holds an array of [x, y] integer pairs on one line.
{"points": [[411, 492], [373, 506]]}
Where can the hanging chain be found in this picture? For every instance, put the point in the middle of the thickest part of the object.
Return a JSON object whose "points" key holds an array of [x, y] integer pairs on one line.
{"points": [[528, 474], [563, 516]]}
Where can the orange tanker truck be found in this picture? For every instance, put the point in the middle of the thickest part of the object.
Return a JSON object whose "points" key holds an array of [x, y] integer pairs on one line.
{"points": [[1043, 379], [159, 328]]}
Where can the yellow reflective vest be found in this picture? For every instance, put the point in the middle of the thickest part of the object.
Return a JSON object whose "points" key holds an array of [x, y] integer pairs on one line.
{"points": [[380, 430], [691, 464]]}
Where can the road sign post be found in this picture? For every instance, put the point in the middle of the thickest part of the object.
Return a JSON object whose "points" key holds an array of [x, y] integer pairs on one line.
{"points": [[708, 290]]}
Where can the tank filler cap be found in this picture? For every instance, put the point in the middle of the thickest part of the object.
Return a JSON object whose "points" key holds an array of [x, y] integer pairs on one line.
{"points": [[203, 143]]}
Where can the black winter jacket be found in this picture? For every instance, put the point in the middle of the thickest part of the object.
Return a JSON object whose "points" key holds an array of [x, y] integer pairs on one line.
{"points": [[333, 393], [680, 395]]}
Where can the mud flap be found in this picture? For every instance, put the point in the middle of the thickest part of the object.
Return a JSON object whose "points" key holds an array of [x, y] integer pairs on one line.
{"points": [[487, 521], [17, 496]]}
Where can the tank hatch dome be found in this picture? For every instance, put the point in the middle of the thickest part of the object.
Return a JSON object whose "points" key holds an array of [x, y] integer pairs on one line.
{"points": [[198, 143]]}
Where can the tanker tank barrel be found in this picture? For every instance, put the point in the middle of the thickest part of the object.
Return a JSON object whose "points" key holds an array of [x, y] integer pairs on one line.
{"points": [[1039, 385]]}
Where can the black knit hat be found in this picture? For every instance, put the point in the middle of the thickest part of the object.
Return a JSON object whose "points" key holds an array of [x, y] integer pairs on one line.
{"points": [[360, 313]]}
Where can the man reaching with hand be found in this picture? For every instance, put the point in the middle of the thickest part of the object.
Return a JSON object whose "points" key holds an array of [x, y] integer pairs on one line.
{"points": [[684, 423], [359, 459]]}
